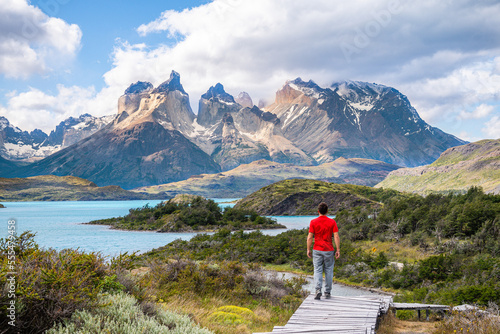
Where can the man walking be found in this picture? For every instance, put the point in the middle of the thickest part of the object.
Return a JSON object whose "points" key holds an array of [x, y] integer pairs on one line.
{"points": [[321, 230]]}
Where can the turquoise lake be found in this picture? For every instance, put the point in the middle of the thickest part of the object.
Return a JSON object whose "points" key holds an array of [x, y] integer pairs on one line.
{"points": [[59, 225]]}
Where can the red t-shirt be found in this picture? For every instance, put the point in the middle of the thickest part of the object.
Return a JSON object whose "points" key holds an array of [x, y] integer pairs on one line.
{"points": [[323, 229]]}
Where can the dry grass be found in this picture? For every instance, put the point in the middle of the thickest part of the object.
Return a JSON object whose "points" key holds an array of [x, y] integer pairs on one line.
{"points": [[391, 325], [202, 311], [458, 323], [471, 322], [399, 252]]}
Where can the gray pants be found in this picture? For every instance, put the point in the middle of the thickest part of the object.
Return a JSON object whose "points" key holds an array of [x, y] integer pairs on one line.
{"points": [[323, 262]]}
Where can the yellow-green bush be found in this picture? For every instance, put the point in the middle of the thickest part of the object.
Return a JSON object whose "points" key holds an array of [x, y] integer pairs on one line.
{"points": [[232, 315]]}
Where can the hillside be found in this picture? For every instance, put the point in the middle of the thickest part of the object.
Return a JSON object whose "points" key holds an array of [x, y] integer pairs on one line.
{"points": [[61, 188], [301, 197], [457, 169], [245, 179]]}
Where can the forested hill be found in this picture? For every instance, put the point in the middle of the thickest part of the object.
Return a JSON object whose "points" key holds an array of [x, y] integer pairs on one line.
{"points": [[301, 197]]}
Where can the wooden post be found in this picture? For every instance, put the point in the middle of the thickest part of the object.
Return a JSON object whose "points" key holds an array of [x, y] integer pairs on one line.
{"points": [[427, 314], [418, 312]]}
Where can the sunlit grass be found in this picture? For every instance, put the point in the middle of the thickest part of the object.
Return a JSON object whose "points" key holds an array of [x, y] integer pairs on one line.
{"points": [[222, 316], [396, 252]]}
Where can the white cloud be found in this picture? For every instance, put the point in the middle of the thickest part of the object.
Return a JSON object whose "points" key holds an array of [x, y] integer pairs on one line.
{"points": [[446, 66], [483, 110], [36, 109], [492, 128], [418, 47], [455, 96], [32, 42]]}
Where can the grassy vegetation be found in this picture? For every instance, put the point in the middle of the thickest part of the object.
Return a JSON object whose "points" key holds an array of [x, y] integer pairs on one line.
{"points": [[195, 214], [439, 243], [69, 291], [61, 188], [120, 313], [301, 197], [247, 178], [459, 168], [441, 249]]}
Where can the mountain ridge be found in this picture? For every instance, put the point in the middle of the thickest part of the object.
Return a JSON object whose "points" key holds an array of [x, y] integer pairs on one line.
{"points": [[247, 178], [156, 138], [457, 169]]}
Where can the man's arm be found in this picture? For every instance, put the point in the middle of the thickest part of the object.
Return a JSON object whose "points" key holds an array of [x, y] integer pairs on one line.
{"points": [[310, 238], [337, 244]]}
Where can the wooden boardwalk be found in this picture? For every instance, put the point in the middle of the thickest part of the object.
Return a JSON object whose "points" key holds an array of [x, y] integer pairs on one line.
{"points": [[338, 315]]}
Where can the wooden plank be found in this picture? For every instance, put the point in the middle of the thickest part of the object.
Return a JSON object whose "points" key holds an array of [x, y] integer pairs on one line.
{"points": [[338, 315]]}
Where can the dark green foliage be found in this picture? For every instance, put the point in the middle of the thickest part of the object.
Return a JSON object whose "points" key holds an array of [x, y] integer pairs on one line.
{"points": [[198, 214], [462, 230], [441, 216], [51, 285], [287, 247]]}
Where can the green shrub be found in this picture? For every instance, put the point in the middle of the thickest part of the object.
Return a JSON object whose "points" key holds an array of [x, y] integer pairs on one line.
{"points": [[120, 313], [51, 285], [196, 214], [405, 314]]}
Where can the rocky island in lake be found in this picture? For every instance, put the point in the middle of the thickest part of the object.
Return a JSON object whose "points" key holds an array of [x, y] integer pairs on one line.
{"points": [[189, 213]]}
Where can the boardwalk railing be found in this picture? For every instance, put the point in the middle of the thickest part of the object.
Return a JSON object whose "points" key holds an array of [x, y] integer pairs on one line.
{"points": [[338, 315], [420, 307]]}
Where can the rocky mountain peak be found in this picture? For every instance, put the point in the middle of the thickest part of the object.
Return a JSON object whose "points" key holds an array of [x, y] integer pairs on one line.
{"points": [[4, 123], [306, 87], [265, 115], [358, 91], [214, 104], [298, 87], [227, 119], [218, 92], [139, 87], [244, 100], [172, 84]]}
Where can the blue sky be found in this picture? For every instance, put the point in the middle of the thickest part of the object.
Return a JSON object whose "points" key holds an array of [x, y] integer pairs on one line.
{"points": [[61, 58]]}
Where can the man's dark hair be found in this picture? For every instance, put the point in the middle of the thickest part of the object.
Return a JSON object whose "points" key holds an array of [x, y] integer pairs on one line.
{"points": [[323, 208]]}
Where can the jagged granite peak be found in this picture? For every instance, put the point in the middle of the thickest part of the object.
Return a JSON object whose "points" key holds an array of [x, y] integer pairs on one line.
{"points": [[214, 104], [143, 154], [218, 92], [167, 105], [357, 120], [355, 89], [73, 129], [244, 100], [19, 145], [311, 85], [139, 87], [4, 123], [172, 84]]}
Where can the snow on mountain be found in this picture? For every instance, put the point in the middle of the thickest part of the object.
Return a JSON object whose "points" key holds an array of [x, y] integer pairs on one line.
{"points": [[19, 145], [353, 119]]}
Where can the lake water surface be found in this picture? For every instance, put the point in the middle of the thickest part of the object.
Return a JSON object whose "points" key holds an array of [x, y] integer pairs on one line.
{"points": [[59, 225]]}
